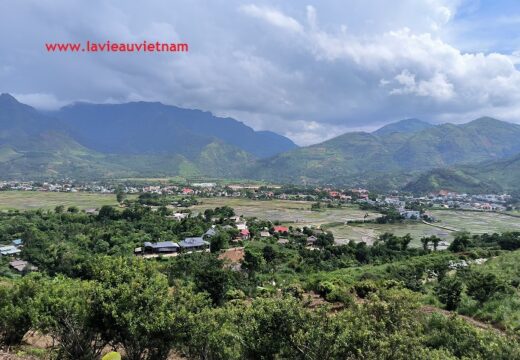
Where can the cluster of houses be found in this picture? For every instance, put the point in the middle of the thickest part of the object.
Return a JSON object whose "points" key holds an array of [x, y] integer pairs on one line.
{"points": [[170, 248], [12, 250], [482, 202]]}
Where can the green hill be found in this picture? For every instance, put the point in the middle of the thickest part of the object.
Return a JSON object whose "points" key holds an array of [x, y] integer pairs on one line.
{"points": [[36, 146], [487, 177], [392, 157]]}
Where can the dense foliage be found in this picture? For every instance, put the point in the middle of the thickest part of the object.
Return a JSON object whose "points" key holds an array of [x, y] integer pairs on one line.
{"points": [[286, 300]]}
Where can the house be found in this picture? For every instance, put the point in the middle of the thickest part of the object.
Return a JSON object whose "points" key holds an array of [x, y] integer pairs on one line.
{"points": [[187, 191], [210, 233], [410, 214], [244, 234], [281, 229], [282, 241], [311, 240], [265, 234], [21, 265], [242, 226], [177, 216], [163, 247], [9, 250], [17, 242], [235, 218], [194, 244]]}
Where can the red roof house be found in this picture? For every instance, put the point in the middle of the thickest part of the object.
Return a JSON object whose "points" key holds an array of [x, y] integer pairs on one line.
{"points": [[281, 229]]}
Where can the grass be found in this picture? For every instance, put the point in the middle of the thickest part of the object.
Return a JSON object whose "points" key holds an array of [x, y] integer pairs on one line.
{"points": [[30, 200], [296, 213], [477, 222]]}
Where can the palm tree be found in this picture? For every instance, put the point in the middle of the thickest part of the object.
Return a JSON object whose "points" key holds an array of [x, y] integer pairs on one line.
{"points": [[425, 241], [435, 241]]}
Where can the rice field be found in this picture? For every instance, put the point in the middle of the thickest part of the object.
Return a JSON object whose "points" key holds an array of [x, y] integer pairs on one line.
{"points": [[31, 200], [298, 213]]}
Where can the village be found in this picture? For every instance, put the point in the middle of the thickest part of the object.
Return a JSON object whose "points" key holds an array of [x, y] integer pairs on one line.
{"points": [[441, 199]]}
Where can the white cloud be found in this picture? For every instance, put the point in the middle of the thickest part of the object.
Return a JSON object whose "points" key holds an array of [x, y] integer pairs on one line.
{"points": [[306, 71], [41, 101], [272, 16]]}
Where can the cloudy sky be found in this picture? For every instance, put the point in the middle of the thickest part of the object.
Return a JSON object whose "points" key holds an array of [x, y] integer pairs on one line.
{"points": [[309, 70]]}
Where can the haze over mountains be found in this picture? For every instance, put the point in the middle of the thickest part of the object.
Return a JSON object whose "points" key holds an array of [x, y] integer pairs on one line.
{"points": [[151, 139]]}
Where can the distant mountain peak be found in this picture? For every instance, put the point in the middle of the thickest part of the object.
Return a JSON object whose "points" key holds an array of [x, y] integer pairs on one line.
{"points": [[6, 98], [486, 120], [403, 126]]}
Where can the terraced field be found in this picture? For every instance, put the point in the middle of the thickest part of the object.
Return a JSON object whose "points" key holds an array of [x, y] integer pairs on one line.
{"points": [[298, 213]]}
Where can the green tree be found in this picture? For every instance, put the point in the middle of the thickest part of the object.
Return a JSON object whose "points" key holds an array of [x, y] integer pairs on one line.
{"points": [[213, 280], [135, 307], [481, 286], [449, 291], [425, 241], [269, 253], [62, 309], [15, 304], [120, 195], [461, 242], [219, 241], [252, 262]]}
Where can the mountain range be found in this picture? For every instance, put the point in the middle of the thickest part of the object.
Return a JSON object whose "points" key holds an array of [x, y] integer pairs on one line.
{"points": [[85, 140], [393, 155], [133, 139]]}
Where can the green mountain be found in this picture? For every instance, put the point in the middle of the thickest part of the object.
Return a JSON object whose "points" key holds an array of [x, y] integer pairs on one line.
{"points": [[487, 177], [153, 128], [35, 145], [403, 126], [392, 158]]}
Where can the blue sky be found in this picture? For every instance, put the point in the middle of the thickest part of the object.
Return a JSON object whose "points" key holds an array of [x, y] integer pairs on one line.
{"points": [[309, 70]]}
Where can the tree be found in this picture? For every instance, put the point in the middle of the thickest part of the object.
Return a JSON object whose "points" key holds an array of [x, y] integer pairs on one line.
{"points": [[107, 212], [73, 209], [435, 240], [59, 209], [61, 309], [325, 239], [269, 254], [252, 262], [135, 307], [461, 242], [218, 241], [15, 319], [449, 291], [120, 195], [425, 241], [482, 286], [213, 280], [405, 241]]}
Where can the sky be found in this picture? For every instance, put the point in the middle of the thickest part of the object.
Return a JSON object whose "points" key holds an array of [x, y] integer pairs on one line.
{"points": [[309, 70]]}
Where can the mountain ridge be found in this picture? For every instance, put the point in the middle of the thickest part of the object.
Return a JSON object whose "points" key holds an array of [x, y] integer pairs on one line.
{"points": [[153, 139]]}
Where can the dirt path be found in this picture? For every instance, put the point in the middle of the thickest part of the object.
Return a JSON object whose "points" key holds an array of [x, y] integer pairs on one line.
{"points": [[439, 226], [427, 309]]}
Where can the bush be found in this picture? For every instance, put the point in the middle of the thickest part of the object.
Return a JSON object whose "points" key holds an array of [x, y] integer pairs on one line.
{"points": [[449, 291]]}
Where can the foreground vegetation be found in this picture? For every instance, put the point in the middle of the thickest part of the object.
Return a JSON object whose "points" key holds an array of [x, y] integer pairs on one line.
{"points": [[284, 301]]}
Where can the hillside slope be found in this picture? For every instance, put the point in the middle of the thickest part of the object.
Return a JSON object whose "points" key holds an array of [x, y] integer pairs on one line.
{"points": [[352, 157], [154, 128]]}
